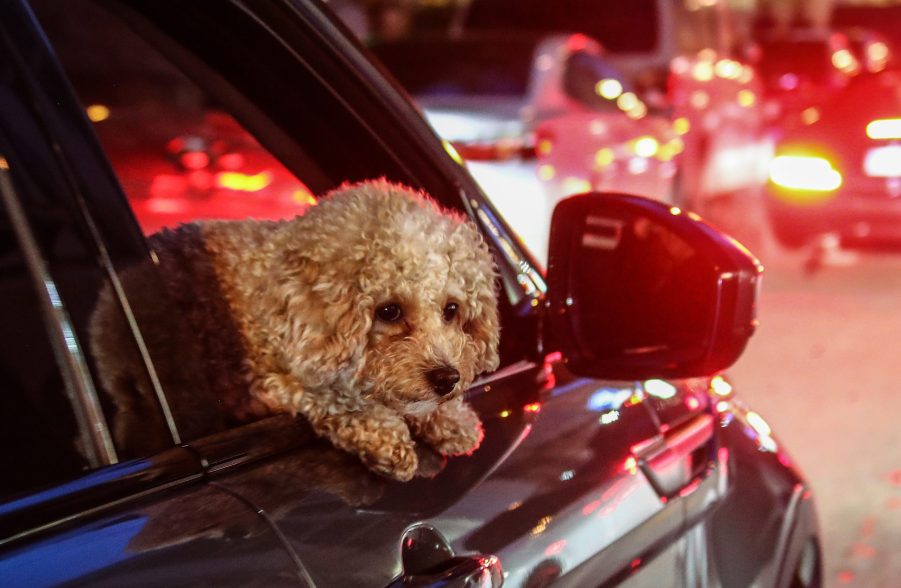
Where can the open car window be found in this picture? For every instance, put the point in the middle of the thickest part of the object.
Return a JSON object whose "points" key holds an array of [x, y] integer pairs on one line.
{"points": [[187, 144]]}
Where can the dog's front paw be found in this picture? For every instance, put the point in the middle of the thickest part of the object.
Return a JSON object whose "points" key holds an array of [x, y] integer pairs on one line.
{"points": [[453, 429], [378, 436], [394, 459], [460, 440]]}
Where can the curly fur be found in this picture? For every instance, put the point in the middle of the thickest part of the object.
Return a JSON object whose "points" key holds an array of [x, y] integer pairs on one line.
{"points": [[302, 297]]}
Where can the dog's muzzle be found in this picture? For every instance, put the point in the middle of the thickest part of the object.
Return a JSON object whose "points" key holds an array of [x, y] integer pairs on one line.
{"points": [[443, 379]]}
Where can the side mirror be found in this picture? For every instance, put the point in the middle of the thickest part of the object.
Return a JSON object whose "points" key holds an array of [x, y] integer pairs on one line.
{"points": [[638, 289]]}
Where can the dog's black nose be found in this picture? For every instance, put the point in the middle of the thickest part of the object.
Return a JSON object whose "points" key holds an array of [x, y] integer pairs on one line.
{"points": [[443, 379]]}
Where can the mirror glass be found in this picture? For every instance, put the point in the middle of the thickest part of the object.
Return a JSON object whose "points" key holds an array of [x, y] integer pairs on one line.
{"points": [[638, 289], [642, 289]]}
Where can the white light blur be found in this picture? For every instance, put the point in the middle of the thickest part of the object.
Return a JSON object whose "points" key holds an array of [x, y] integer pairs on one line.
{"points": [[804, 173], [884, 128], [660, 388], [883, 162]]}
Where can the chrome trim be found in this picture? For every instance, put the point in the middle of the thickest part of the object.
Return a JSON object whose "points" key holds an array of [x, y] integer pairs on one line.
{"points": [[96, 442]]}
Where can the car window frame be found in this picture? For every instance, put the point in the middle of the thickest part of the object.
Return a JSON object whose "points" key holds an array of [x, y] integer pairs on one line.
{"points": [[93, 431]]}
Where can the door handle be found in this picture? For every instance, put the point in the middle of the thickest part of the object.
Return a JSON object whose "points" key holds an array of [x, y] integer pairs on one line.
{"points": [[472, 571], [674, 460]]}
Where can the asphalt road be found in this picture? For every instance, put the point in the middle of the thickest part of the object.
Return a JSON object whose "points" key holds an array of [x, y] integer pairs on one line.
{"points": [[825, 370]]}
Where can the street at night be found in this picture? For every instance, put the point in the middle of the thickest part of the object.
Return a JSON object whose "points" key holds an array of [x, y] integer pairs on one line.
{"points": [[824, 371]]}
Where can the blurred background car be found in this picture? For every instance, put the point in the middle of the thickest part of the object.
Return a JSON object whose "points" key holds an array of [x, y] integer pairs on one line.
{"points": [[682, 57], [801, 69], [841, 173], [522, 107]]}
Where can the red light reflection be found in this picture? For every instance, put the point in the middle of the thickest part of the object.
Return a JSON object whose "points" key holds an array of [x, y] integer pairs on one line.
{"points": [[195, 160], [553, 357], [555, 548], [689, 489], [577, 42]]}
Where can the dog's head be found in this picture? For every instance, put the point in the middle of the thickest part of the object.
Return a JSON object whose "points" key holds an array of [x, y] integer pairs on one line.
{"points": [[389, 296]]}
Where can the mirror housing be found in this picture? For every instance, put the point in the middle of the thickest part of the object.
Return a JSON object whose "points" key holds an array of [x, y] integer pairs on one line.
{"points": [[639, 289]]}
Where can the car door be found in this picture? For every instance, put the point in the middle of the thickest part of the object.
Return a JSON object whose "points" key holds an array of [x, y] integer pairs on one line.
{"points": [[688, 462], [75, 508], [554, 492]]}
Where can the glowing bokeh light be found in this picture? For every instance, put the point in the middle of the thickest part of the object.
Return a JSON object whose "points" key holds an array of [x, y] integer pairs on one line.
{"points": [[604, 157], [720, 386], [660, 389], [884, 128], [244, 182], [97, 112], [609, 89], [646, 146], [810, 115], [746, 98], [627, 101], [804, 173], [547, 172]]}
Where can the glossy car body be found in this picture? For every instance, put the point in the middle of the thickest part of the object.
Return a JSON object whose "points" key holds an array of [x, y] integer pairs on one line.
{"points": [[523, 111], [579, 481], [841, 173]]}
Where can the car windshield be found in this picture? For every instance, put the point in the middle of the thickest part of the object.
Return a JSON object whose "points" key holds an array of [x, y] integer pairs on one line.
{"points": [[446, 67], [622, 26]]}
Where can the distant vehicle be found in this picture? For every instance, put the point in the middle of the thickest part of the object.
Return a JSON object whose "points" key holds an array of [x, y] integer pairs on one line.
{"points": [[681, 56], [841, 173], [801, 69], [527, 114]]}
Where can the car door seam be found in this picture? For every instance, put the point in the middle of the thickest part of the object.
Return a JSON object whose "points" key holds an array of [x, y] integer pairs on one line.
{"points": [[302, 573]]}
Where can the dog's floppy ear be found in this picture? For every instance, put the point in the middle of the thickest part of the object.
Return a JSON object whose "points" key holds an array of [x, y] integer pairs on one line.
{"points": [[476, 263], [484, 328], [323, 319]]}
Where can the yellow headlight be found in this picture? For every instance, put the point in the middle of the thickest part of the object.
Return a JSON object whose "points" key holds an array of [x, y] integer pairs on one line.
{"points": [[805, 173]]}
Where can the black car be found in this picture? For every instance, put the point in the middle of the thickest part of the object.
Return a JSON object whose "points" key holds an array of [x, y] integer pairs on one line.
{"points": [[652, 475]]}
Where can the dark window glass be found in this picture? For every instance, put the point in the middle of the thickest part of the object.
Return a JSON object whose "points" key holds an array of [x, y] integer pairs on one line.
{"points": [[622, 26], [70, 255], [37, 427]]}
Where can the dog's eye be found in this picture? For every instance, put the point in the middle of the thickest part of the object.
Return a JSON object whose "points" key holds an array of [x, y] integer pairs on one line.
{"points": [[389, 313], [450, 311]]}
